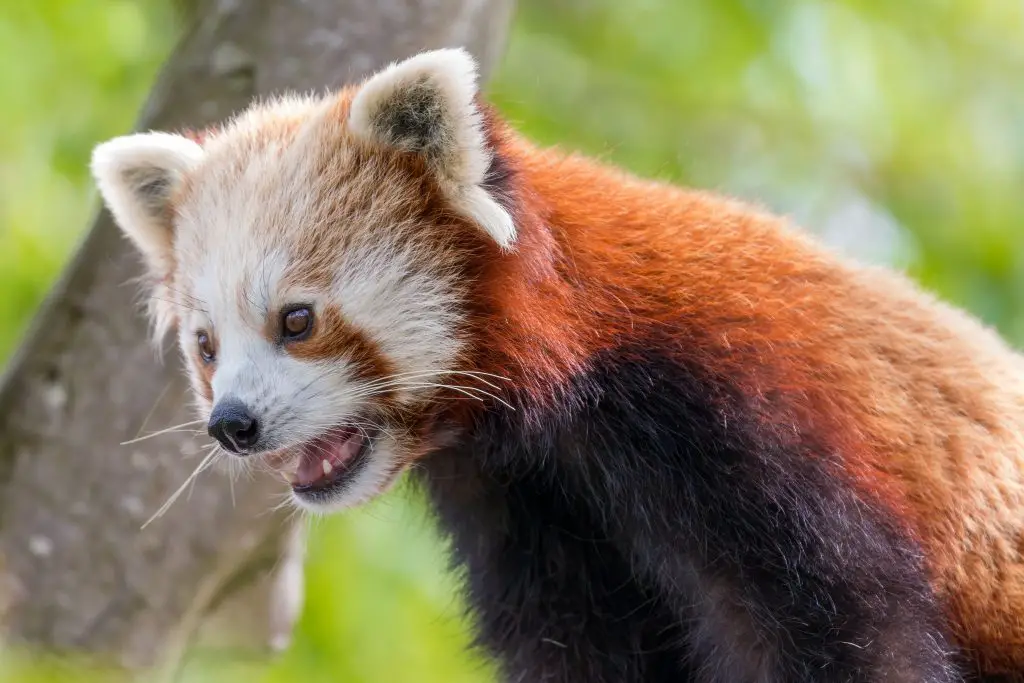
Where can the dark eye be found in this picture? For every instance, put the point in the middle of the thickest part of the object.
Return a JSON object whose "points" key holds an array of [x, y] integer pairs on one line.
{"points": [[296, 323], [206, 349]]}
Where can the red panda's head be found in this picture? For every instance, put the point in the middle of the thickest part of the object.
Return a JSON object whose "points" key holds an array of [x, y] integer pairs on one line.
{"points": [[314, 257]]}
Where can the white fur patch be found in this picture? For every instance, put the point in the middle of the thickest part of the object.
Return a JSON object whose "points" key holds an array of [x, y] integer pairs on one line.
{"points": [[407, 312], [489, 215], [435, 92], [137, 175]]}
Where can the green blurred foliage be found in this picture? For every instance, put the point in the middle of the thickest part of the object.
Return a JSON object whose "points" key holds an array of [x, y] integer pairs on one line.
{"points": [[895, 129], [74, 71]]}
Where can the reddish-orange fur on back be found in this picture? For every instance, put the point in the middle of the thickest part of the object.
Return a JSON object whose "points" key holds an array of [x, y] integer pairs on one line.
{"points": [[923, 405]]}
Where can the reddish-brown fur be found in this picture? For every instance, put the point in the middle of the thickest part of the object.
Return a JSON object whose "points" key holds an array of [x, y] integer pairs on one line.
{"points": [[874, 370]]}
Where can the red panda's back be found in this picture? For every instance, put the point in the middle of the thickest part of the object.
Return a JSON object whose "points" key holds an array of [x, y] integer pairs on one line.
{"points": [[924, 404]]}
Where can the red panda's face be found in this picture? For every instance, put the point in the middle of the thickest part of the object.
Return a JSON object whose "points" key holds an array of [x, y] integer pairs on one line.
{"points": [[312, 258], [321, 312]]}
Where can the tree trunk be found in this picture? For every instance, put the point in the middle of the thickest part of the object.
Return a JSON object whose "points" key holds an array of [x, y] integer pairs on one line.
{"points": [[76, 572]]}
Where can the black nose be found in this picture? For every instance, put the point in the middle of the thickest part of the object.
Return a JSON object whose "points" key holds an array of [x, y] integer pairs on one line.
{"points": [[233, 426]]}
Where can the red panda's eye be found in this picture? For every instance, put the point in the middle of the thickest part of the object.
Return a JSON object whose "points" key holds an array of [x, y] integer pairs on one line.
{"points": [[206, 349], [296, 323]]}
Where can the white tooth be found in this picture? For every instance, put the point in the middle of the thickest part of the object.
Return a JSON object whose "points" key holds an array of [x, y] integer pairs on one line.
{"points": [[327, 467]]}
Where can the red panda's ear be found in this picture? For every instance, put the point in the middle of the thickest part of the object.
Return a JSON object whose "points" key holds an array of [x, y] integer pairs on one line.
{"points": [[427, 105], [137, 176]]}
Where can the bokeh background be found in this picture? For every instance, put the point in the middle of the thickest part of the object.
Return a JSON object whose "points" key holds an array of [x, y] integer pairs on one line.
{"points": [[894, 129]]}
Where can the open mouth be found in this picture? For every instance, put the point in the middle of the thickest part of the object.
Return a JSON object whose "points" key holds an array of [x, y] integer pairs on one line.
{"points": [[329, 462]]}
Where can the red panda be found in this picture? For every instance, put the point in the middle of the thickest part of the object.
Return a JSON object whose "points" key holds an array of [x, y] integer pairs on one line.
{"points": [[670, 437]]}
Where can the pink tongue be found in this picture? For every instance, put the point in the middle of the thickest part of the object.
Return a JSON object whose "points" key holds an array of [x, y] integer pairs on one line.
{"points": [[336, 450]]}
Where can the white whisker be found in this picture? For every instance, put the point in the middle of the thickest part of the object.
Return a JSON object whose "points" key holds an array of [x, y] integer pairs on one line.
{"points": [[156, 404], [454, 387], [391, 379], [167, 430], [174, 496]]}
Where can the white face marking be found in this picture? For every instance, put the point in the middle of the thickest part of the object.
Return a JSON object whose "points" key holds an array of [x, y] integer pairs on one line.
{"points": [[417, 330]]}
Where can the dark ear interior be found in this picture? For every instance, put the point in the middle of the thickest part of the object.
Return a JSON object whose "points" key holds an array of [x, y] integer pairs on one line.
{"points": [[414, 119], [152, 187]]}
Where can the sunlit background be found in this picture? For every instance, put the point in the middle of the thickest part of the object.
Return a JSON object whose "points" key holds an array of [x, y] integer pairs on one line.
{"points": [[894, 129]]}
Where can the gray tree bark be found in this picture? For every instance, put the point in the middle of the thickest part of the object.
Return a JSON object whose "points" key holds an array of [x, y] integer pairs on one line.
{"points": [[76, 572]]}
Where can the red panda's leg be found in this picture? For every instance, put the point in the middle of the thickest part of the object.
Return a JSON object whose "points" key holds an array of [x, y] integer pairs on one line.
{"points": [[552, 600], [784, 571]]}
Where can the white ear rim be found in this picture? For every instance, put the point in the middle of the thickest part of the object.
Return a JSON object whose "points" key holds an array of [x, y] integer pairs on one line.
{"points": [[112, 164], [453, 71]]}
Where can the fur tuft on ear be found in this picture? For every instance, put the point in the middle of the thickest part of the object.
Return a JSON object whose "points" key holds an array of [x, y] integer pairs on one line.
{"points": [[137, 176], [427, 105]]}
